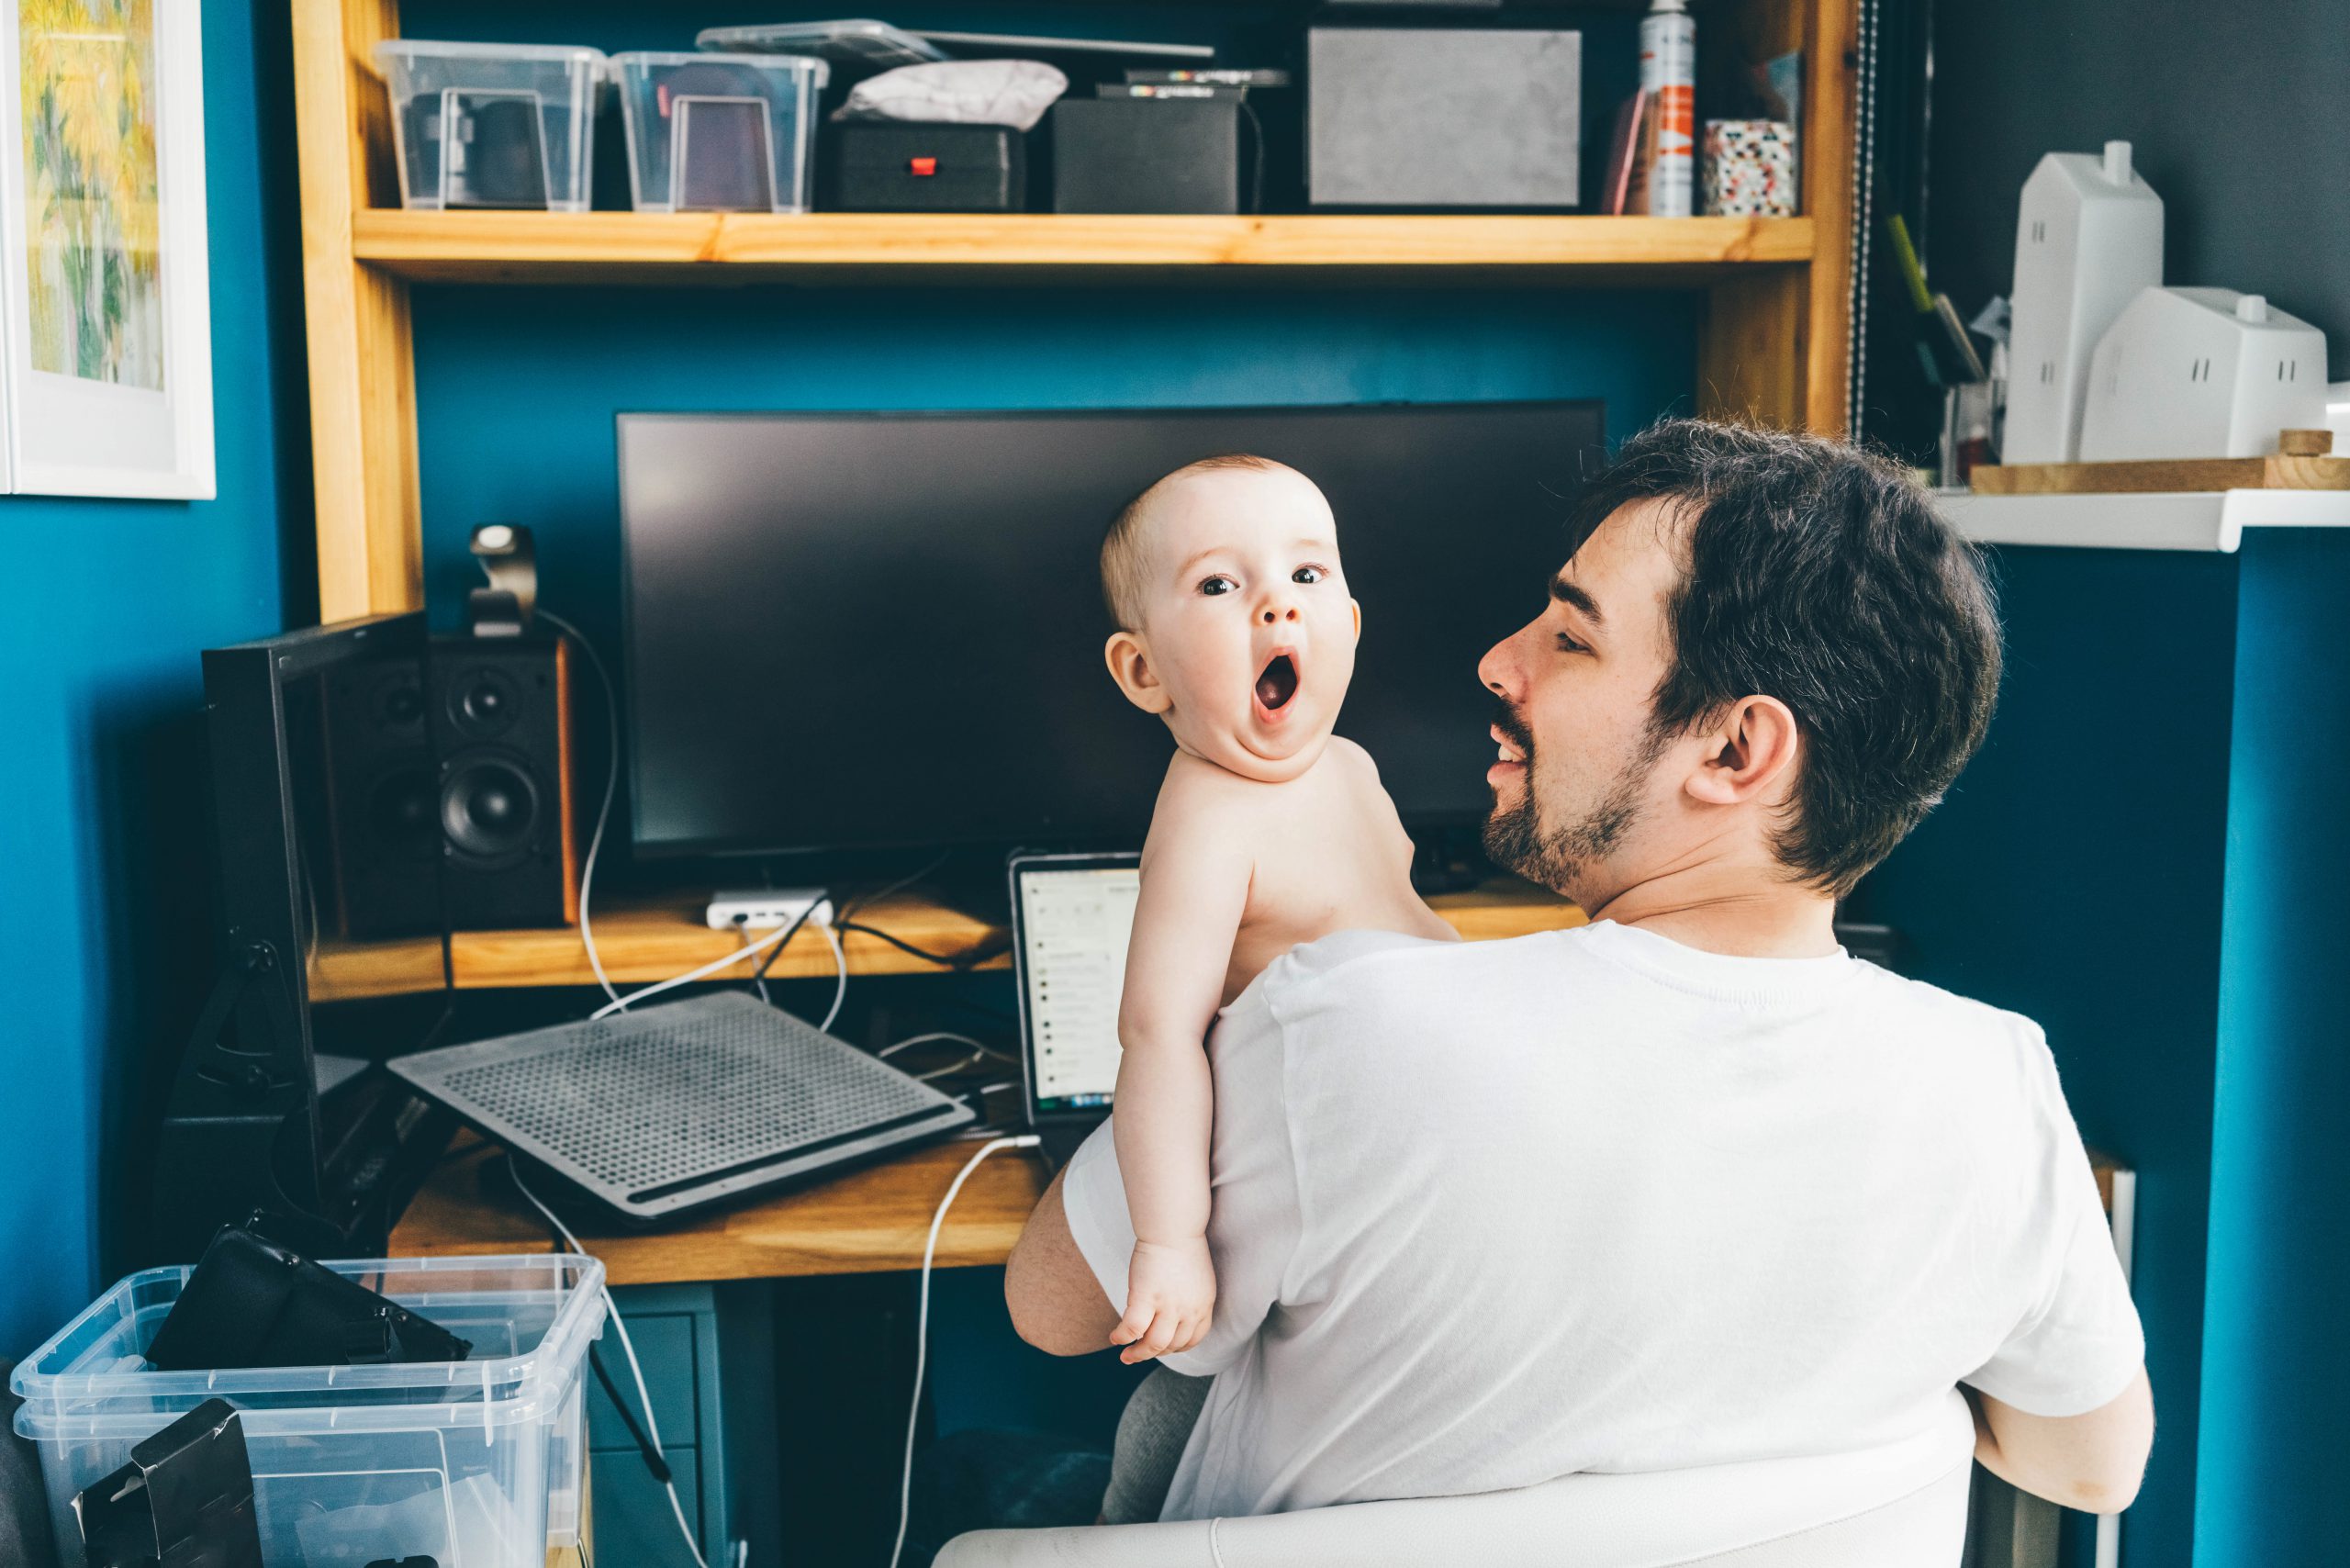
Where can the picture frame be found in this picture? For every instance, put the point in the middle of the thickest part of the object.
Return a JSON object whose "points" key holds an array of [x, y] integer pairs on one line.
{"points": [[106, 338]]}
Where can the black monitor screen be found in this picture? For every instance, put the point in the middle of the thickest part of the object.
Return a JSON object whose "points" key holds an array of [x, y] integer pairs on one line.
{"points": [[857, 630]]}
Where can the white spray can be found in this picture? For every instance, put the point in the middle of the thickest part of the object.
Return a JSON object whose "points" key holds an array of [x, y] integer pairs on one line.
{"points": [[1669, 73]]}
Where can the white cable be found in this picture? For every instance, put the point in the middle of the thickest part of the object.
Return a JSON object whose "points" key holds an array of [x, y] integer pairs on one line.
{"points": [[611, 783], [921, 1326], [840, 968], [758, 981], [728, 961], [635, 1368]]}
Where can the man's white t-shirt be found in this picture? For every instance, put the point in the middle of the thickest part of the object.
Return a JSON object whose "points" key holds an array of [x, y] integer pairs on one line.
{"points": [[1491, 1213]]}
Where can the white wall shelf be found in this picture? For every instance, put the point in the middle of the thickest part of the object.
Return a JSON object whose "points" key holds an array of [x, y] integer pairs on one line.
{"points": [[2206, 519]]}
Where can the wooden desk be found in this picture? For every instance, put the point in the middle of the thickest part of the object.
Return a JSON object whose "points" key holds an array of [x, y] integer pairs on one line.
{"points": [[642, 940], [872, 1220]]}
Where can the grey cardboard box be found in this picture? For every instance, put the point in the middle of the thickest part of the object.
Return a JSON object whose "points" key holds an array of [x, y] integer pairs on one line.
{"points": [[1452, 117]]}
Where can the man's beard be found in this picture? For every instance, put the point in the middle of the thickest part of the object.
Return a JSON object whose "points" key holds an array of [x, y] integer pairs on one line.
{"points": [[1561, 857]]}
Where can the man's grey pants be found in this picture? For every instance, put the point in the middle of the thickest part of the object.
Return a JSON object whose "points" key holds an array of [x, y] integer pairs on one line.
{"points": [[1151, 1434]]}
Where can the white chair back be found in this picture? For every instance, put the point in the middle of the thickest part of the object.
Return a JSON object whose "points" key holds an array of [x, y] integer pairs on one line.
{"points": [[1903, 1506]]}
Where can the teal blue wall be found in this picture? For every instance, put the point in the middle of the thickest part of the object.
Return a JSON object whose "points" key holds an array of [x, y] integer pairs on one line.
{"points": [[2277, 1357], [103, 910], [2075, 874]]}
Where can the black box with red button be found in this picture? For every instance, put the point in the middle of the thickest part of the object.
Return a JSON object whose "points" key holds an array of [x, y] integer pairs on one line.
{"points": [[888, 166]]}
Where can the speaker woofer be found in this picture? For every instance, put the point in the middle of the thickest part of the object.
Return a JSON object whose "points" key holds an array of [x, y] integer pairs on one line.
{"points": [[489, 808]]}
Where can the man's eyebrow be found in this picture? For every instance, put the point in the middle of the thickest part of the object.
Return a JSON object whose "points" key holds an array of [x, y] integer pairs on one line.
{"points": [[1196, 557], [1568, 593]]}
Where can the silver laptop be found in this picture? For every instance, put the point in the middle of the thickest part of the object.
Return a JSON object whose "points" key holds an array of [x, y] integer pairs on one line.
{"points": [[1072, 916], [669, 1107]]}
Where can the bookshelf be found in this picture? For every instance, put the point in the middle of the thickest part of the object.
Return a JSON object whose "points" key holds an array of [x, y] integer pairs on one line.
{"points": [[1773, 345]]}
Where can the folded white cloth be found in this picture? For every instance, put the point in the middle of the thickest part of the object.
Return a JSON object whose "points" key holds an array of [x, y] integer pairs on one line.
{"points": [[959, 92]]}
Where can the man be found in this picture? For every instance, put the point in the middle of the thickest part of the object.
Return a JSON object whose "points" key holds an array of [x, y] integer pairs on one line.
{"points": [[1686, 1186]]}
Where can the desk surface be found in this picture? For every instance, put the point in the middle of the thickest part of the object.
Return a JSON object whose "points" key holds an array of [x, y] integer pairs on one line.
{"points": [[871, 1220]]}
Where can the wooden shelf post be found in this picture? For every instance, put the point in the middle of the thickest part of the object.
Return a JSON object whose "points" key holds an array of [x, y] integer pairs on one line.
{"points": [[362, 383]]}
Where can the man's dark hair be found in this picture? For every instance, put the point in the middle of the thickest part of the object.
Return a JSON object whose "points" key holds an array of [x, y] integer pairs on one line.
{"points": [[1820, 574]]}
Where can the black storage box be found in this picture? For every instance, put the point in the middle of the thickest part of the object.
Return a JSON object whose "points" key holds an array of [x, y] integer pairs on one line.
{"points": [[1146, 156], [896, 167]]}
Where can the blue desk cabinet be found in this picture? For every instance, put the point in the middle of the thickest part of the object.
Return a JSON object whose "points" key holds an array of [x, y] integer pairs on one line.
{"points": [[708, 1358]]}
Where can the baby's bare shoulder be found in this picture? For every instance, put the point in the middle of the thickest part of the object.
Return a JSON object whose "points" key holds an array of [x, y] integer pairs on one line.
{"points": [[1350, 756], [1197, 790]]}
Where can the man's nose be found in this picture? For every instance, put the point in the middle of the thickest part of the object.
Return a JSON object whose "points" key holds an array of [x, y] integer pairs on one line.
{"points": [[1498, 669], [1274, 612]]}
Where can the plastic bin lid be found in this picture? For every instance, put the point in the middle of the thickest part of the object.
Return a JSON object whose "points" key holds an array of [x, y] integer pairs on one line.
{"points": [[92, 1362], [537, 53], [857, 40], [816, 70]]}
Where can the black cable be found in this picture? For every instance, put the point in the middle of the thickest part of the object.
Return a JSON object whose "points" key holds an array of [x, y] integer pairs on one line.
{"points": [[653, 1459], [785, 941], [969, 959], [900, 885]]}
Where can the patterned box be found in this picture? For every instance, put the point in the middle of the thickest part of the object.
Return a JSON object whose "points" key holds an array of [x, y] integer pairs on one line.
{"points": [[1749, 168]]}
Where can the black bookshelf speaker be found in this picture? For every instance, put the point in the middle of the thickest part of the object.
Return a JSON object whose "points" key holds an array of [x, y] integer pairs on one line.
{"points": [[383, 798], [453, 783]]}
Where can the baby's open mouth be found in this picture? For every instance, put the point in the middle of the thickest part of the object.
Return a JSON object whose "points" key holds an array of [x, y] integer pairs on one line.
{"points": [[1277, 683]]}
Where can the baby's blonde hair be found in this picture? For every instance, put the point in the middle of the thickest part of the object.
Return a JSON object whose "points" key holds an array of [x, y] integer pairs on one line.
{"points": [[1126, 547]]}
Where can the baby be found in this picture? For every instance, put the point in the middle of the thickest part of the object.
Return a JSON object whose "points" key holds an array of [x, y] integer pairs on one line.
{"points": [[1235, 627]]}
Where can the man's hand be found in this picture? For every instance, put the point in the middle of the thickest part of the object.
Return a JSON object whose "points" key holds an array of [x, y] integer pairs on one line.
{"points": [[1170, 1296]]}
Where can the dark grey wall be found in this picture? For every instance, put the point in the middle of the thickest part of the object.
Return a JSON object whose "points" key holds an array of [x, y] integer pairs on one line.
{"points": [[2240, 114]]}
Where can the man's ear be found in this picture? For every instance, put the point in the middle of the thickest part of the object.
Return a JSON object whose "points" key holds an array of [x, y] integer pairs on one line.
{"points": [[1750, 751], [1356, 605], [1128, 657]]}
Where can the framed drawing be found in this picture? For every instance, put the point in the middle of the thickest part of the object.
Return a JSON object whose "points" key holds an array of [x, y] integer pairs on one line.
{"points": [[106, 377]]}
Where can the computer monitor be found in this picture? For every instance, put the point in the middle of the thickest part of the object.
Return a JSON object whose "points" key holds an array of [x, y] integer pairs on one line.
{"points": [[865, 629]]}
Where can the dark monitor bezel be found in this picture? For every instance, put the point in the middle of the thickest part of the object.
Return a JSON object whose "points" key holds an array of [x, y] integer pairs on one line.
{"points": [[1000, 840]]}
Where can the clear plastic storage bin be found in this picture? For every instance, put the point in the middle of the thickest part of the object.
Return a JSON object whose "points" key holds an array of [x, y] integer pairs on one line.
{"points": [[473, 1463], [492, 125], [719, 132]]}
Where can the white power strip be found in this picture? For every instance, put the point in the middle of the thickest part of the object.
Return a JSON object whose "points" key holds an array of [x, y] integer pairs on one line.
{"points": [[764, 908]]}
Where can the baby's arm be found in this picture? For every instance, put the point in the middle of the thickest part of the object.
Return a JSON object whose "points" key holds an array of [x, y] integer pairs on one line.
{"points": [[1195, 871]]}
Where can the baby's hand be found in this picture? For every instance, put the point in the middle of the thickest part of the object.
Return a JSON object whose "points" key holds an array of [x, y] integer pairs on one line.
{"points": [[1171, 1295]]}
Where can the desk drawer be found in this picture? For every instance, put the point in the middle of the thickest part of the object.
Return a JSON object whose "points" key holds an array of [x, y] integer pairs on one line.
{"points": [[633, 1524], [665, 1342]]}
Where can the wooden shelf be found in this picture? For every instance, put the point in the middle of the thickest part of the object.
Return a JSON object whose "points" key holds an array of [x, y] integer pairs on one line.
{"points": [[651, 940], [743, 247]]}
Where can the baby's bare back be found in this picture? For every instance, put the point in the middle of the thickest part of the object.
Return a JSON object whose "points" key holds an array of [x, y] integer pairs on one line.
{"points": [[1329, 855]]}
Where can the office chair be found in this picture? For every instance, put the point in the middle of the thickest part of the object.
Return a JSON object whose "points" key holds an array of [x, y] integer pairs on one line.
{"points": [[1902, 1505]]}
